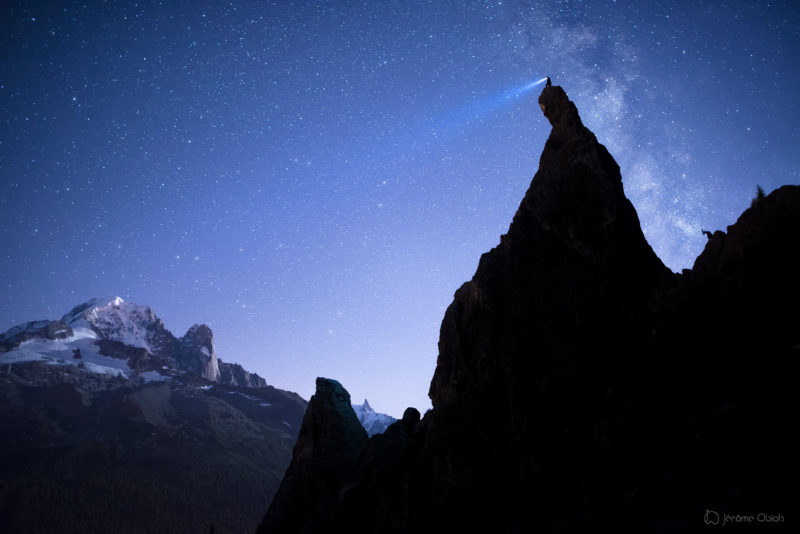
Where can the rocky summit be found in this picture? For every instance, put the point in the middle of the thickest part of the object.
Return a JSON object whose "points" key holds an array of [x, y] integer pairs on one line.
{"points": [[583, 386]]}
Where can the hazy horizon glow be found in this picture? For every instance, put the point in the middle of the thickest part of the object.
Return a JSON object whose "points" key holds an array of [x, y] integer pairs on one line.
{"points": [[315, 181]]}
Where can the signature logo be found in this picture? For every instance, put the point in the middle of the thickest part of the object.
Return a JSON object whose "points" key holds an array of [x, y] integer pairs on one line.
{"points": [[711, 518]]}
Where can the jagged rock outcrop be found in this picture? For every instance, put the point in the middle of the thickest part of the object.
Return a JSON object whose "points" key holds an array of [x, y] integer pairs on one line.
{"points": [[138, 359], [233, 374], [581, 385], [196, 353], [13, 337], [324, 457]]}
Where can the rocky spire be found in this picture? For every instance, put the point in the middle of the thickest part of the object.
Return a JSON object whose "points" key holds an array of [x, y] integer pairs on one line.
{"points": [[573, 255], [536, 334], [322, 460], [196, 353]]}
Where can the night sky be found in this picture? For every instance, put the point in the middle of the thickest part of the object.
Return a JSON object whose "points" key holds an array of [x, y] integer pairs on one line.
{"points": [[314, 181]]}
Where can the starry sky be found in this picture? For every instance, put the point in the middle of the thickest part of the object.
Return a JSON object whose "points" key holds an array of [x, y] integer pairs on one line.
{"points": [[314, 180]]}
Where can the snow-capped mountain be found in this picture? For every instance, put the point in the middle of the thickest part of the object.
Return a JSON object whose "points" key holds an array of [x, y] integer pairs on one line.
{"points": [[131, 324], [106, 401], [372, 421], [121, 339]]}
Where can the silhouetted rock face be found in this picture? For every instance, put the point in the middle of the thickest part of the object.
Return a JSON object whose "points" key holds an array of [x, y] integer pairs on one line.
{"points": [[765, 234], [373, 500], [530, 346], [581, 385], [324, 457], [573, 258]]}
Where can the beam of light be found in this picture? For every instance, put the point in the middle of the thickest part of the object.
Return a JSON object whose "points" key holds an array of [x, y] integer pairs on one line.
{"points": [[477, 110], [525, 88]]}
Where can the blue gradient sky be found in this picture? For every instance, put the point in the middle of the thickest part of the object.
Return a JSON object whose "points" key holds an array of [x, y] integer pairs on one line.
{"points": [[315, 181]]}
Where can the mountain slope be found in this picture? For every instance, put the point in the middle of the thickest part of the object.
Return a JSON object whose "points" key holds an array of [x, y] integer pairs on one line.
{"points": [[581, 385]]}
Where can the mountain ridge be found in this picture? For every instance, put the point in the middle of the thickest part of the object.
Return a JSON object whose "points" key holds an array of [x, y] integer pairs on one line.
{"points": [[121, 327]]}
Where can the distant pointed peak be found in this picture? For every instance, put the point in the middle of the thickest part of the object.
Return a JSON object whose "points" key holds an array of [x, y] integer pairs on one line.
{"points": [[366, 405]]}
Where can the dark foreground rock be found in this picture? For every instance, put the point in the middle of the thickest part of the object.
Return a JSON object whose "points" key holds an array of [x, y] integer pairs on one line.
{"points": [[581, 385], [324, 456]]}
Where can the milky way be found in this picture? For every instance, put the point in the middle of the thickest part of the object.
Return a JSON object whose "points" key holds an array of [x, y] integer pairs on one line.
{"points": [[315, 181]]}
